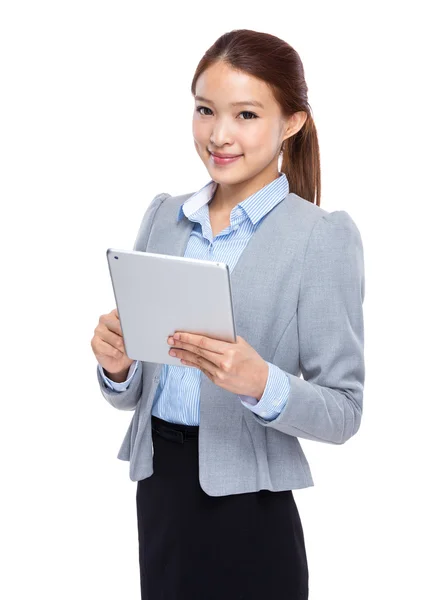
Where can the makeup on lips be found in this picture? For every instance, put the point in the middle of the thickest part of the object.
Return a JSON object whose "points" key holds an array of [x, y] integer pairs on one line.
{"points": [[219, 160]]}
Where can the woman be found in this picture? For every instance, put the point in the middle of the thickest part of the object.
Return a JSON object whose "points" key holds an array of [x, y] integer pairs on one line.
{"points": [[216, 468]]}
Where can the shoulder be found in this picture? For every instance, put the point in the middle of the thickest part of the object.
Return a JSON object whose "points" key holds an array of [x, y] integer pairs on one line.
{"points": [[177, 200], [321, 223], [165, 201], [339, 231], [334, 254], [169, 205], [148, 220]]}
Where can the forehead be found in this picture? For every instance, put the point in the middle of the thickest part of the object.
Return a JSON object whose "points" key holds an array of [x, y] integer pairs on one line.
{"points": [[223, 86]]}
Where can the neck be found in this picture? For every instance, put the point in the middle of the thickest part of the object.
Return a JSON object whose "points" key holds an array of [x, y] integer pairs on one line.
{"points": [[227, 196]]}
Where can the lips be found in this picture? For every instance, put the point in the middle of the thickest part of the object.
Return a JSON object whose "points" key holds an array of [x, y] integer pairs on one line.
{"points": [[222, 161], [225, 155]]}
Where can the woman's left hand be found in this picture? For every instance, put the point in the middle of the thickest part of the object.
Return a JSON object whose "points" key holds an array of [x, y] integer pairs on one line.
{"points": [[236, 367]]}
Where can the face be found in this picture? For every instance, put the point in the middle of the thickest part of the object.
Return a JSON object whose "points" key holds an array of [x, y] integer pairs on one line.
{"points": [[253, 132]]}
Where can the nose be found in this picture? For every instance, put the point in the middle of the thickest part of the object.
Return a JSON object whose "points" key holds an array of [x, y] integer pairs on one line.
{"points": [[221, 135]]}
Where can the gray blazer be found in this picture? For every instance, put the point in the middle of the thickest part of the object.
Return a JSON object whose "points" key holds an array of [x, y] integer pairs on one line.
{"points": [[298, 290]]}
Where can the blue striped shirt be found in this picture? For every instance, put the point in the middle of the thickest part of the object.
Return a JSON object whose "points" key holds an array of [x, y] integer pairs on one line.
{"points": [[178, 394]]}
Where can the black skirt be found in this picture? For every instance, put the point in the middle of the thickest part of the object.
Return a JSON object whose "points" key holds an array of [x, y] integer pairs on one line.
{"points": [[193, 546]]}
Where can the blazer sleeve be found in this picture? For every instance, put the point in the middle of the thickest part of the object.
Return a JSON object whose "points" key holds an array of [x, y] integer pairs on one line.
{"points": [[326, 405], [114, 385], [128, 399]]}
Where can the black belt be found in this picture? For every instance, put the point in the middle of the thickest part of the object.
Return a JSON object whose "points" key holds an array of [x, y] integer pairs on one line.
{"points": [[175, 432]]}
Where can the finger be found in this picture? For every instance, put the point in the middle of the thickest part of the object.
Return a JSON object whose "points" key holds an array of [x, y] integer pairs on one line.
{"points": [[197, 361], [112, 322], [202, 341], [109, 336], [191, 364], [106, 349], [211, 357]]}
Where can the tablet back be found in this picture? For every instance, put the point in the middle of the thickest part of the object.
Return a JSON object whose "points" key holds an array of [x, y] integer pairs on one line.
{"points": [[158, 294]]}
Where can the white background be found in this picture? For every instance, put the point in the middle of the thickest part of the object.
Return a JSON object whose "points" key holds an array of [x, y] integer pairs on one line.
{"points": [[96, 116]]}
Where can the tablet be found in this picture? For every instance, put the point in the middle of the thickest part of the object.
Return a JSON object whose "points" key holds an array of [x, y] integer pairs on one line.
{"points": [[159, 294]]}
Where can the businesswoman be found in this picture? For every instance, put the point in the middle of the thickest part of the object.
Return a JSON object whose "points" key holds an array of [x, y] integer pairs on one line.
{"points": [[214, 440]]}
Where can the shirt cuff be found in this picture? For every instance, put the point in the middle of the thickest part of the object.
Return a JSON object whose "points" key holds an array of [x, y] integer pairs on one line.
{"points": [[274, 397], [119, 386]]}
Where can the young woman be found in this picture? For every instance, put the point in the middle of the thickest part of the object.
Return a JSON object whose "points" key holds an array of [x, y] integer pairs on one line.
{"points": [[213, 444]]}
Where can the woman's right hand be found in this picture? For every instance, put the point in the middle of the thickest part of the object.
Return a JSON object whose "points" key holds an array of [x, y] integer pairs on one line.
{"points": [[108, 347]]}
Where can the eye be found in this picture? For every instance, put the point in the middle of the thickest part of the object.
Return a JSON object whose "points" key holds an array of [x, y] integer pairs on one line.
{"points": [[199, 108], [247, 112]]}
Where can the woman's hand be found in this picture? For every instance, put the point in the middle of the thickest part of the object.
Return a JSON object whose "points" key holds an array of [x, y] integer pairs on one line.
{"points": [[236, 367], [107, 344]]}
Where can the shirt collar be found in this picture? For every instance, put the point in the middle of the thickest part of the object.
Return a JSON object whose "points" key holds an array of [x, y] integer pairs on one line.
{"points": [[255, 206]]}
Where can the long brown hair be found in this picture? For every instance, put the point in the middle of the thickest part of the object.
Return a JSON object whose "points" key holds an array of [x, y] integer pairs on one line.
{"points": [[271, 59]]}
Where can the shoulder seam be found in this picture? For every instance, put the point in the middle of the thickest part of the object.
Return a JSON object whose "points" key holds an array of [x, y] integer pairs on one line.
{"points": [[163, 196]]}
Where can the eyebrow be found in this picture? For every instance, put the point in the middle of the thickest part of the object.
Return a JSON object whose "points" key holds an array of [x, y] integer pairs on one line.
{"points": [[241, 103]]}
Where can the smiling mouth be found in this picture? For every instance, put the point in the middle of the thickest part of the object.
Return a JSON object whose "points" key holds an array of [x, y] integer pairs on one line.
{"points": [[222, 160], [225, 155]]}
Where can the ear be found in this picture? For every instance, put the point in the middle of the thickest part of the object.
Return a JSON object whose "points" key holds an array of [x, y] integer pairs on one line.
{"points": [[295, 123]]}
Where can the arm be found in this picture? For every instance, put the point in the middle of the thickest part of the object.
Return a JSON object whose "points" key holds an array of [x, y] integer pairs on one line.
{"points": [[127, 398], [274, 396], [122, 385], [326, 405]]}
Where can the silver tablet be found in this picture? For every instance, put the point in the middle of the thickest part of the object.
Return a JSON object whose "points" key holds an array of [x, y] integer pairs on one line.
{"points": [[159, 294]]}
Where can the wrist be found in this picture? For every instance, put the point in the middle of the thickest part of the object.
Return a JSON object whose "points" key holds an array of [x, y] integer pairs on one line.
{"points": [[264, 379], [118, 377]]}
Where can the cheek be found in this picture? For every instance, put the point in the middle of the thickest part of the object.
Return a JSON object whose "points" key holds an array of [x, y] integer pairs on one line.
{"points": [[200, 132], [260, 140]]}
